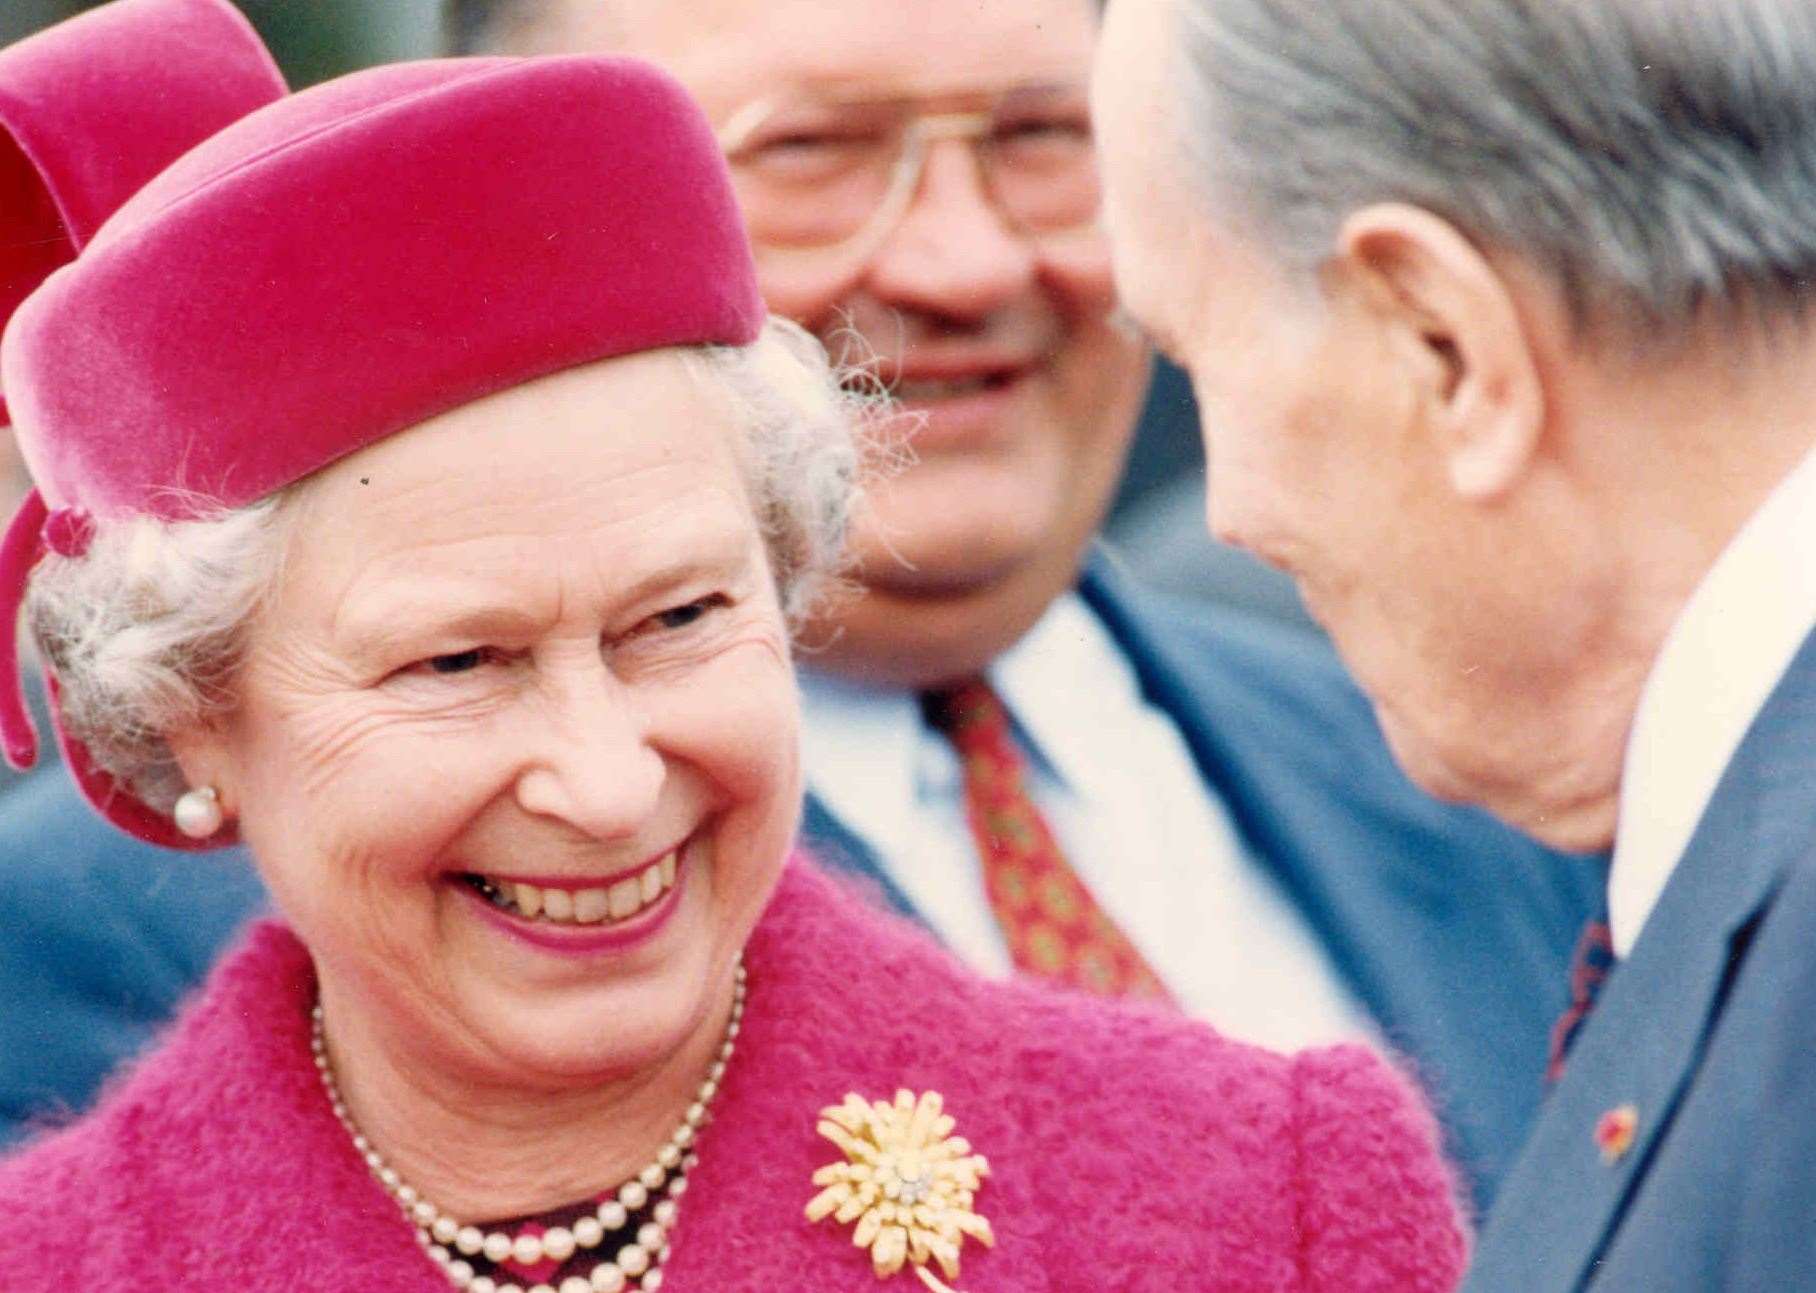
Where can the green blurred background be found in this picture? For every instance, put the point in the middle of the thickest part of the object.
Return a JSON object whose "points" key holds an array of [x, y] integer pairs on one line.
{"points": [[312, 39]]}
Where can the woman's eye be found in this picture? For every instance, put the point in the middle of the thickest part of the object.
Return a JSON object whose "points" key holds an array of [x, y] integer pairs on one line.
{"points": [[457, 662], [680, 617]]}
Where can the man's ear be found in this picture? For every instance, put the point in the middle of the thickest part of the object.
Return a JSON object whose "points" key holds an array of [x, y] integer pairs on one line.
{"points": [[1458, 327], [201, 751]]}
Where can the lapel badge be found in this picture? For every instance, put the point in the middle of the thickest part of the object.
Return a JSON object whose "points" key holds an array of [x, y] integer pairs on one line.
{"points": [[907, 1182], [1614, 1132]]}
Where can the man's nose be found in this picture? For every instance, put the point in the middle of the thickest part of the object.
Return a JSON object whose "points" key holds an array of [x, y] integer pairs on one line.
{"points": [[593, 764], [954, 253]]}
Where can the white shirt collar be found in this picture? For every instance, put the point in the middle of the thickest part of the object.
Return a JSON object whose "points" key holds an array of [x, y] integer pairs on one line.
{"points": [[1727, 651], [861, 743], [1064, 671], [1129, 806]]}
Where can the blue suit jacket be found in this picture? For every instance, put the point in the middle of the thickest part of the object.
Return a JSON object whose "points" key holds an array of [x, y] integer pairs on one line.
{"points": [[1708, 1030], [1454, 931]]}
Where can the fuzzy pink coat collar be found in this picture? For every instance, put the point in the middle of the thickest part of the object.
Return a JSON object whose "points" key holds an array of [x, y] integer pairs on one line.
{"points": [[1129, 1150]]}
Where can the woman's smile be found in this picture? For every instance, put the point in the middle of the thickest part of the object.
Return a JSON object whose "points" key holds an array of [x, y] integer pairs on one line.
{"points": [[574, 917], [580, 900]]}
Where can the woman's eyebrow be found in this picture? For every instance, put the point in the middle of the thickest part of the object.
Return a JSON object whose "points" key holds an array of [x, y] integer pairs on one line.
{"points": [[399, 620], [379, 622]]}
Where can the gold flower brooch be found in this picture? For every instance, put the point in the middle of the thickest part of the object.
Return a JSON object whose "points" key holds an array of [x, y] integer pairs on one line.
{"points": [[907, 1181]]}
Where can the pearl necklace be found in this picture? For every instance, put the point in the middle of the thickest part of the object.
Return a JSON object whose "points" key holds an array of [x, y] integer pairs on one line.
{"points": [[448, 1242]]}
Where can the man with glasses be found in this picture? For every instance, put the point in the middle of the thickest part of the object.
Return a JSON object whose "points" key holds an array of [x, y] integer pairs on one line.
{"points": [[1058, 775]]}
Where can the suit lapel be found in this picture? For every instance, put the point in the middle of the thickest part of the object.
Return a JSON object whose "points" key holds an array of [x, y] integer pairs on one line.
{"points": [[1641, 1046]]}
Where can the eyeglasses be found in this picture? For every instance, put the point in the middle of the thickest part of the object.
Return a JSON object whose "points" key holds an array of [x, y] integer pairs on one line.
{"points": [[837, 175]]}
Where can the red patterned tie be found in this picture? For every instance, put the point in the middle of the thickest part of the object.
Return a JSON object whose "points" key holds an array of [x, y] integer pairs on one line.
{"points": [[1589, 967], [1054, 927]]}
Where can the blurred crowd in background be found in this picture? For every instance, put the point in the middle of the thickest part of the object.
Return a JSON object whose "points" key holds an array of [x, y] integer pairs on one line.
{"points": [[1157, 522]]}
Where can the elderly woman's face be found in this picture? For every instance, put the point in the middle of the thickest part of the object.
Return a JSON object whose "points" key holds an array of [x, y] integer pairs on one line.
{"points": [[515, 743]]}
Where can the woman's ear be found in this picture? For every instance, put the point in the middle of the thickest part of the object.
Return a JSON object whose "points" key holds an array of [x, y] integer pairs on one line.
{"points": [[1457, 327]]}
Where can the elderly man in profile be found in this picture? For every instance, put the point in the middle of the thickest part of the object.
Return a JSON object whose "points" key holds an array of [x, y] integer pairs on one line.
{"points": [[1160, 801], [1507, 356]]}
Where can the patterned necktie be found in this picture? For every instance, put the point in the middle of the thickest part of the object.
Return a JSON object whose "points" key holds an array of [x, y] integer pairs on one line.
{"points": [[1054, 928], [1589, 968]]}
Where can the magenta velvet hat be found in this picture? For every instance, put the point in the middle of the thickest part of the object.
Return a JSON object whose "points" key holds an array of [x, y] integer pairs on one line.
{"points": [[94, 107], [344, 264]]}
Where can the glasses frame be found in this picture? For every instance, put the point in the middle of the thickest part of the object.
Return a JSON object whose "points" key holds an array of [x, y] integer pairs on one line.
{"points": [[925, 129]]}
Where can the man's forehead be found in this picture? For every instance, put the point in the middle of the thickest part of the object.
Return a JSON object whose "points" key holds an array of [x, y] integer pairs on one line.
{"points": [[733, 51]]}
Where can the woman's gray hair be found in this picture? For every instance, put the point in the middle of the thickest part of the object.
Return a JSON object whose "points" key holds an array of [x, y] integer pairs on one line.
{"points": [[145, 630], [1657, 157], [807, 443]]}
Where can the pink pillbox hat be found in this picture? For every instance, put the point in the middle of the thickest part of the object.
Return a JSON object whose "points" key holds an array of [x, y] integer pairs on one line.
{"points": [[94, 107], [344, 264]]}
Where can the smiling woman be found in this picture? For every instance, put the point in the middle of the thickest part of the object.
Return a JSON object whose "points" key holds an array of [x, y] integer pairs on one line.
{"points": [[452, 717], [433, 521]]}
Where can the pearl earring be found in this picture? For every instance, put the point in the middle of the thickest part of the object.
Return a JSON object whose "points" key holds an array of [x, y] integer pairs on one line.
{"points": [[198, 812]]}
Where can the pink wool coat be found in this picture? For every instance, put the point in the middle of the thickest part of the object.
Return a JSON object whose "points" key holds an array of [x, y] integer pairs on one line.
{"points": [[1129, 1151]]}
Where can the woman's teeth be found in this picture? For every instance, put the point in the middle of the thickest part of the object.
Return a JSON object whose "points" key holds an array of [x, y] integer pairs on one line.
{"points": [[603, 905]]}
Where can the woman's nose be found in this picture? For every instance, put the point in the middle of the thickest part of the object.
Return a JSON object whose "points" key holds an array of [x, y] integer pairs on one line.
{"points": [[594, 766]]}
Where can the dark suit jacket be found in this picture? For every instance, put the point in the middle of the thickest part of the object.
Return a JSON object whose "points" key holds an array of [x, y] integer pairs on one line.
{"points": [[1454, 931], [1708, 1030]]}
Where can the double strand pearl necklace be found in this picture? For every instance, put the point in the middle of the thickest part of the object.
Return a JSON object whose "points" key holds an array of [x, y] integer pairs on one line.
{"points": [[449, 1243]]}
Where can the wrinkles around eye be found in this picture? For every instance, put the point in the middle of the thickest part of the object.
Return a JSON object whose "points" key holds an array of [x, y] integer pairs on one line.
{"points": [[675, 621]]}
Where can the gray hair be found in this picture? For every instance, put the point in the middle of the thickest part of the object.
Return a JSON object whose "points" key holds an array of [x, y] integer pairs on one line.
{"points": [[145, 630], [1656, 157]]}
